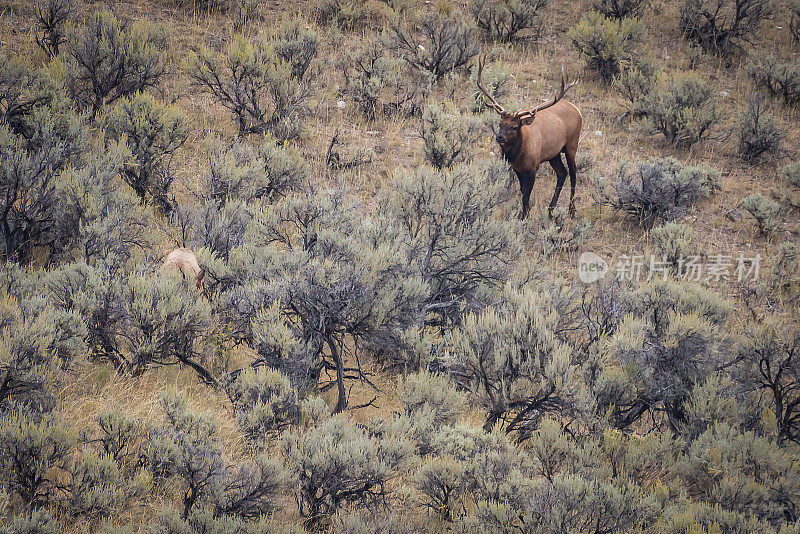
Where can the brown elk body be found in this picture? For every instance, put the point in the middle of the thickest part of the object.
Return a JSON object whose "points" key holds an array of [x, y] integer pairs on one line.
{"points": [[185, 261], [532, 136]]}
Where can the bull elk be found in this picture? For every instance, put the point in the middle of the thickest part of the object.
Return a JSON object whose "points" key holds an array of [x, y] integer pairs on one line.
{"points": [[185, 261], [532, 136]]}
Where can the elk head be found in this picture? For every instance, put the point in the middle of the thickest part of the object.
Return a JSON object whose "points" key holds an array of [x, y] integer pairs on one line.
{"points": [[509, 135]]}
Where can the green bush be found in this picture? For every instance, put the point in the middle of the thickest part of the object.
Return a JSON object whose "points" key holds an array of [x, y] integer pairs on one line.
{"points": [[780, 79], [509, 358], [255, 84], [51, 19], [496, 79], [165, 319], [425, 393], [33, 522], [453, 238], [377, 81], [347, 14], [154, 132], [503, 20], [769, 365], [784, 273], [555, 233], [314, 259], [764, 210], [297, 45], [605, 44], [674, 241], [682, 107], [120, 437], [660, 351], [34, 453], [188, 447], [436, 44], [741, 472], [336, 464], [660, 189], [30, 171], [96, 487], [371, 523], [636, 81], [206, 521], [791, 174], [447, 136], [264, 402], [758, 132], [442, 480], [720, 26], [620, 9], [794, 22], [100, 219], [37, 345], [239, 171], [110, 59]]}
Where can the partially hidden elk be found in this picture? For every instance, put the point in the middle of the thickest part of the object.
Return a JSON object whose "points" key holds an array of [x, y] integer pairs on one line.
{"points": [[532, 136], [185, 261]]}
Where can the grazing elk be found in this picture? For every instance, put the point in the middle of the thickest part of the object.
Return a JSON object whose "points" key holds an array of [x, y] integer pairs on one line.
{"points": [[530, 137], [185, 261]]}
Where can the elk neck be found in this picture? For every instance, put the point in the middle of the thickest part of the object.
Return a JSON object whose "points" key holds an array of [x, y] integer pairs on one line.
{"points": [[512, 153]]}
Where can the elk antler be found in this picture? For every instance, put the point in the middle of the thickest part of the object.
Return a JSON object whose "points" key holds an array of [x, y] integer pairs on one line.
{"points": [[488, 98], [530, 112]]}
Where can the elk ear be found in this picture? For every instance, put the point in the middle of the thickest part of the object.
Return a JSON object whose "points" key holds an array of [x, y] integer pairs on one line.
{"points": [[527, 120]]}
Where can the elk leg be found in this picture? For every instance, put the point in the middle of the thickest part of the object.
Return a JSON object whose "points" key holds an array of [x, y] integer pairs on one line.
{"points": [[526, 180], [561, 175], [573, 177]]}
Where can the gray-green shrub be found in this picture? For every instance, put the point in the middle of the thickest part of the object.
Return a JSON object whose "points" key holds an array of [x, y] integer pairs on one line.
{"points": [[453, 239], [764, 210], [721, 26], [314, 259], [669, 342], [660, 189], [682, 107], [794, 21], [96, 486], [758, 132], [377, 81], [336, 464], [254, 83], [448, 136], [265, 403], [515, 373], [297, 45], [34, 453], [620, 9], [768, 359], [605, 44], [30, 171], [436, 44], [503, 20], [779, 79], [674, 241], [109, 59], [154, 131], [188, 447], [51, 19]]}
